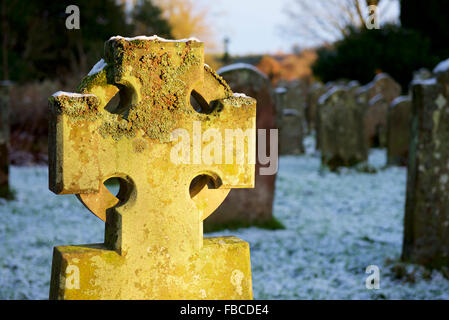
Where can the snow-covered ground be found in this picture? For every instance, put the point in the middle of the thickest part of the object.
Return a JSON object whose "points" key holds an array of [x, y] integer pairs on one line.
{"points": [[336, 226]]}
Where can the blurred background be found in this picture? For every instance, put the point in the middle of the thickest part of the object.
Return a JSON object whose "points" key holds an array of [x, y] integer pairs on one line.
{"points": [[288, 39]]}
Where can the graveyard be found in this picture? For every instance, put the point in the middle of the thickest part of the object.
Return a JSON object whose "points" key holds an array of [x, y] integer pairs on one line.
{"points": [[140, 159], [322, 255]]}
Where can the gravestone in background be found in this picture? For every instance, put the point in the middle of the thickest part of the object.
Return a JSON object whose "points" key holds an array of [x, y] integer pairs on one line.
{"points": [[290, 117], [342, 138], [385, 85], [154, 246], [426, 224], [296, 98], [422, 74], [290, 133], [398, 131], [316, 90], [280, 97], [249, 206], [376, 96], [375, 119], [5, 191], [327, 88]]}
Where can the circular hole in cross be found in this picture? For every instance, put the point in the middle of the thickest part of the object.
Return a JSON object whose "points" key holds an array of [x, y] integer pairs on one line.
{"points": [[199, 104], [202, 181]]}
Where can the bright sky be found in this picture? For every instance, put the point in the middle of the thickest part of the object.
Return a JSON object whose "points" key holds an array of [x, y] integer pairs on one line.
{"points": [[253, 26]]}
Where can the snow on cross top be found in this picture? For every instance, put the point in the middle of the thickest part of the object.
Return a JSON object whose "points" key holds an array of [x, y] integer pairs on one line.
{"points": [[153, 38]]}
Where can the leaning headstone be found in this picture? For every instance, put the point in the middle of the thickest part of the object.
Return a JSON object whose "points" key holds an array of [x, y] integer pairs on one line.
{"points": [[296, 98], [376, 96], [316, 90], [5, 191], [329, 86], [398, 131], [280, 97], [290, 133], [154, 246], [342, 139], [375, 119], [426, 228], [250, 206], [290, 112]]}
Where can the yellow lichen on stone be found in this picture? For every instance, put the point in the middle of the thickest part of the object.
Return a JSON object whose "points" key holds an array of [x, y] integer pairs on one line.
{"points": [[153, 246]]}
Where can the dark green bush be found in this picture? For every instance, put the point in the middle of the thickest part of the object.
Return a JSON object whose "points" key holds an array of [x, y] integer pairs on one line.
{"points": [[429, 17], [363, 53]]}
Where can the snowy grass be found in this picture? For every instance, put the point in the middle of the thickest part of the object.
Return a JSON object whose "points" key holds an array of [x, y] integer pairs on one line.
{"points": [[336, 225]]}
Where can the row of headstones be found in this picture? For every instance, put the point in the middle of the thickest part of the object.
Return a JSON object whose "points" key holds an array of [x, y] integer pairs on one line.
{"points": [[351, 119], [415, 130]]}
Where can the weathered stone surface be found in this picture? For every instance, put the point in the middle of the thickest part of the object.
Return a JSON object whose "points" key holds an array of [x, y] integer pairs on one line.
{"points": [[296, 96], [290, 117], [398, 131], [327, 87], [5, 191], [426, 236], [280, 97], [375, 119], [248, 206], [342, 135], [377, 96], [385, 85], [290, 133], [154, 247], [315, 91]]}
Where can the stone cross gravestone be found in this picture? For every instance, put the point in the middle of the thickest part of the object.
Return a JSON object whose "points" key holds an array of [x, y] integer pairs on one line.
{"points": [[398, 131], [342, 139], [248, 206], [426, 228], [5, 191], [154, 246]]}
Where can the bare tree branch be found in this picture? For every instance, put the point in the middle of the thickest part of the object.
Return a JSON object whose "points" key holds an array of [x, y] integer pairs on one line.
{"points": [[324, 21], [359, 11]]}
